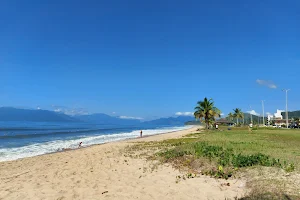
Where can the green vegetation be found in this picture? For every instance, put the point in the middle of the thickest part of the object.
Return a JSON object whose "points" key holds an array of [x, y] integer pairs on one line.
{"points": [[206, 112], [237, 147], [270, 155], [274, 143], [193, 123], [291, 114], [269, 158], [238, 114], [222, 157], [230, 116]]}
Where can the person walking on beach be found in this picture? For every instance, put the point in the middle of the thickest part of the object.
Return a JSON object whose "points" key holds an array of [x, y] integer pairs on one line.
{"points": [[141, 133], [80, 143]]}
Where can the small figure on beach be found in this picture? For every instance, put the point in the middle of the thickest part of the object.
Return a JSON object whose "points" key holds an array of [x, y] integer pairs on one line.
{"points": [[80, 143], [250, 125], [217, 126], [141, 133]]}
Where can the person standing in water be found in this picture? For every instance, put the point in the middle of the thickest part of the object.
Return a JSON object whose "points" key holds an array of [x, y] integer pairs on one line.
{"points": [[141, 133]]}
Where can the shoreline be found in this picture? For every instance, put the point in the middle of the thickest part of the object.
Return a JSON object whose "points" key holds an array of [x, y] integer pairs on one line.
{"points": [[88, 146], [117, 141], [104, 171]]}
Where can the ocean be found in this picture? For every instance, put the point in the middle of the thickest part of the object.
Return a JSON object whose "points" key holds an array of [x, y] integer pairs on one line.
{"points": [[27, 139]]}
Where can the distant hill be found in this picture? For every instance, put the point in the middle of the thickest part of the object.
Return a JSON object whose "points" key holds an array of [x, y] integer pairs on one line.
{"points": [[101, 118], [291, 114], [247, 119], [193, 123], [170, 120], [16, 114]]}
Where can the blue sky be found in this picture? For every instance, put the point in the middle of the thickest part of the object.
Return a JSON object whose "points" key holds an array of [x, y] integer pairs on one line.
{"points": [[148, 59]]}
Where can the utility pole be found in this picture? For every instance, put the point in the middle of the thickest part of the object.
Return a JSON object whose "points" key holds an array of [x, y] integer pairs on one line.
{"points": [[286, 106], [251, 115], [263, 108]]}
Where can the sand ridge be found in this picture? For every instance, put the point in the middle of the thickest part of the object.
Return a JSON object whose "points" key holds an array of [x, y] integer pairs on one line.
{"points": [[103, 172]]}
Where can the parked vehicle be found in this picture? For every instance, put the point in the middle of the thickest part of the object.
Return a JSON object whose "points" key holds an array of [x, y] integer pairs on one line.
{"points": [[294, 125]]}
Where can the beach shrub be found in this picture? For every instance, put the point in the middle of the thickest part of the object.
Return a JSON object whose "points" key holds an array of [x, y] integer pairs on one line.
{"points": [[219, 173], [223, 157], [256, 159], [173, 153], [289, 167]]}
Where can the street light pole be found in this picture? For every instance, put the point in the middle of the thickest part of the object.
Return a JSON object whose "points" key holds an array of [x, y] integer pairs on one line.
{"points": [[286, 106], [263, 108], [251, 115]]}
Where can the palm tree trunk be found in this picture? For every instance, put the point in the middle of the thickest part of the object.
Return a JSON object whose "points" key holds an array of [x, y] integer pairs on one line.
{"points": [[237, 121]]}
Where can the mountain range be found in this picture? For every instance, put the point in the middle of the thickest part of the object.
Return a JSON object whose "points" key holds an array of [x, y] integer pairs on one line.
{"points": [[16, 114], [292, 114], [101, 118], [180, 120]]}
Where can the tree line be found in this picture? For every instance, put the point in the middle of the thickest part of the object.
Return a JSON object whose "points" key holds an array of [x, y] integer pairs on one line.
{"points": [[206, 112]]}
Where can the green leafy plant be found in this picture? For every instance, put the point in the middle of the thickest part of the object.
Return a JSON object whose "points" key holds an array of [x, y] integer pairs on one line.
{"points": [[290, 167]]}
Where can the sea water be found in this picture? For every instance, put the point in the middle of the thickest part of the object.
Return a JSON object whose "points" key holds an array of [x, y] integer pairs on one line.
{"points": [[27, 139]]}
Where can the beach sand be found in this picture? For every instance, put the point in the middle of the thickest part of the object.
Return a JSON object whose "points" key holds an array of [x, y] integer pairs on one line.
{"points": [[103, 172]]}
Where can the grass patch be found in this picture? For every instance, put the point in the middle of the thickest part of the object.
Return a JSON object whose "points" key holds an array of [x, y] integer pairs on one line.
{"points": [[221, 157], [282, 144], [224, 153]]}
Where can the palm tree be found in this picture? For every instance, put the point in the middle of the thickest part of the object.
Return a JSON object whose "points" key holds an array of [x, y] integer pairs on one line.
{"points": [[230, 116], [238, 114], [206, 112]]}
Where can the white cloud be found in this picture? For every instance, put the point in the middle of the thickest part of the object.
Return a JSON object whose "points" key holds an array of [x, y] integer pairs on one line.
{"points": [[128, 117], [269, 84], [252, 112], [113, 112], [268, 113], [222, 114], [184, 113], [38, 108]]}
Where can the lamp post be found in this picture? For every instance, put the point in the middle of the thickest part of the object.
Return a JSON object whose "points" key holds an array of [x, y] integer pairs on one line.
{"points": [[286, 106], [263, 109], [251, 114]]}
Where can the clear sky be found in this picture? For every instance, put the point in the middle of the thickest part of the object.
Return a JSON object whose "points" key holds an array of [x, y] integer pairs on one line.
{"points": [[149, 58]]}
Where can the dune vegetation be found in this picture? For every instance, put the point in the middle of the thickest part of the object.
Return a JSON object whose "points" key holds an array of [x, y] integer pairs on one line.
{"points": [[267, 158]]}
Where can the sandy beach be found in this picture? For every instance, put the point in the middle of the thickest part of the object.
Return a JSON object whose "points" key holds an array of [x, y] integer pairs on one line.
{"points": [[103, 172]]}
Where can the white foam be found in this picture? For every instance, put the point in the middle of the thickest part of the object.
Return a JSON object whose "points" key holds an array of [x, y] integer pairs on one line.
{"points": [[7, 154]]}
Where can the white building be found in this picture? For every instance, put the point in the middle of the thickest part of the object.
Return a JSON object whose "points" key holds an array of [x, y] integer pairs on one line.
{"points": [[278, 115]]}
